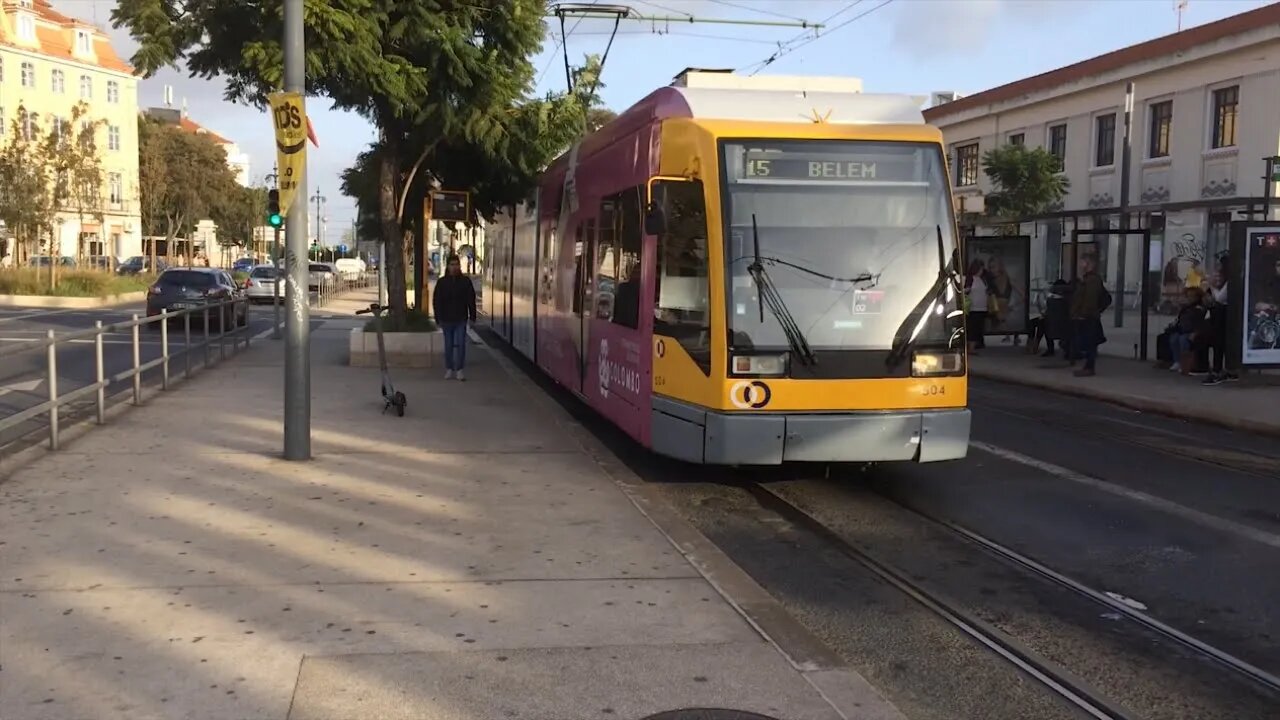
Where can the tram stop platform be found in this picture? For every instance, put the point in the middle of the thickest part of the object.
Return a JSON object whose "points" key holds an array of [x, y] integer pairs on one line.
{"points": [[1251, 404], [480, 558]]}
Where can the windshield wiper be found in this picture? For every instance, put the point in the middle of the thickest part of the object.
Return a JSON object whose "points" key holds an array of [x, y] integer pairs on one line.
{"points": [[903, 341], [768, 295]]}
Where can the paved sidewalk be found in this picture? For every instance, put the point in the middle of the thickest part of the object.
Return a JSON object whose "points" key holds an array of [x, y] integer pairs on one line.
{"points": [[473, 560], [1252, 404]]}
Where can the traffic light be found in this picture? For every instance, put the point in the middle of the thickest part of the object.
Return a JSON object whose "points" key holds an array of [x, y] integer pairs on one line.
{"points": [[274, 218]]}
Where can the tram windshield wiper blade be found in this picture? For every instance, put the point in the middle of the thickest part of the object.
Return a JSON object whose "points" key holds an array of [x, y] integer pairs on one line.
{"points": [[769, 295], [915, 321]]}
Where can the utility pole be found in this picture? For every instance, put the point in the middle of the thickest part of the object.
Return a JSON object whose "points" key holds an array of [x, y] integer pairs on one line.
{"points": [[1122, 255], [297, 347]]}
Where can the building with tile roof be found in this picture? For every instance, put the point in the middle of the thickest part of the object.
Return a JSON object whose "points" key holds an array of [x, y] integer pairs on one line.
{"points": [[237, 160], [49, 62], [1205, 117]]}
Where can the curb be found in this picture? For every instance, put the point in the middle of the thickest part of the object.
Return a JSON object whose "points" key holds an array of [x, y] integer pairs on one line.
{"points": [[1157, 407], [71, 303], [843, 688]]}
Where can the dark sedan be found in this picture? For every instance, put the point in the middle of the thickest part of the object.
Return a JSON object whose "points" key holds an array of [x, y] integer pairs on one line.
{"points": [[186, 288]]}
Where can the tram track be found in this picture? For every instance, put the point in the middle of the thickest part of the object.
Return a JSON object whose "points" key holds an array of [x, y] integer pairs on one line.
{"points": [[1054, 677]]}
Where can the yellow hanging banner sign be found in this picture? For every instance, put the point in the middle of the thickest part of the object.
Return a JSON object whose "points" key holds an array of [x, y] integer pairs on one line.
{"points": [[289, 116]]}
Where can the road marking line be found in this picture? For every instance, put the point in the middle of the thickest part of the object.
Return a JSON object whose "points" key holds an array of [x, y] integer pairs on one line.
{"points": [[1168, 506]]}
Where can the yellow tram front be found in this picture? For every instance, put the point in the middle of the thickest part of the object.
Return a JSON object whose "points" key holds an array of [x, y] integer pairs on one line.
{"points": [[808, 302]]}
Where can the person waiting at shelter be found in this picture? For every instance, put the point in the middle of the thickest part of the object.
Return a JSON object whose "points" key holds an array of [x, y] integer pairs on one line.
{"points": [[1184, 334], [1088, 302], [1215, 340], [977, 293], [454, 303], [1054, 323]]}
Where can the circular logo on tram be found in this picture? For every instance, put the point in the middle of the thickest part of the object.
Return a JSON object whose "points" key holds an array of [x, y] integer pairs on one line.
{"points": [[602, 369], [750, 394]]}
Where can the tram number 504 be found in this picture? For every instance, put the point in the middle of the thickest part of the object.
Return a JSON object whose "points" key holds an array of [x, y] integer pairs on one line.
{"points": [[928, 390]]}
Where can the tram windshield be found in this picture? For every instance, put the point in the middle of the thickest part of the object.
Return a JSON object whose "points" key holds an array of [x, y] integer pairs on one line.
{"points": [[848, 233]]}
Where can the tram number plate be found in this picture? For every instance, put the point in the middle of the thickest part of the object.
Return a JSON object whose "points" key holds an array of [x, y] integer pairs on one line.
{"points": [[928, 390]]}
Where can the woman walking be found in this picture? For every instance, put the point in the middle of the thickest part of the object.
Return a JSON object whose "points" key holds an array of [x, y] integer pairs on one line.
{"points": [[975, 286]]}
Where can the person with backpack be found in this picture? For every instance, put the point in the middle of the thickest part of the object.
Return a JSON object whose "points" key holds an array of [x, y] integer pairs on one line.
{"points": [[1088, 303]]}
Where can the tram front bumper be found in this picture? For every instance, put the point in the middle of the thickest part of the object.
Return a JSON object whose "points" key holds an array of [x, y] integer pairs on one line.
{"points": [[774, 438]]}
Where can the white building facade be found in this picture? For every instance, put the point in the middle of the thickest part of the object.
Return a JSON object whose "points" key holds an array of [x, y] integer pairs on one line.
{"points": [[1205, 117]]}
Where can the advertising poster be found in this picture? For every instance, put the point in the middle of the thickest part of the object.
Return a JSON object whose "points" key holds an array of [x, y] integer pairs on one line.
{"points": [[1006, 264], [1261, 337]]}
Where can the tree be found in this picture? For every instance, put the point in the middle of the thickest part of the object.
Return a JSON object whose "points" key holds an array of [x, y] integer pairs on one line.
{"points": [[28, 203], [451, 69], [183, 178], [1026, 182], [76, 167]]}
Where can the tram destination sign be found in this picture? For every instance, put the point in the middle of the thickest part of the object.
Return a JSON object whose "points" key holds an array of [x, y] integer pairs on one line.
{"points": [[844, 167]]}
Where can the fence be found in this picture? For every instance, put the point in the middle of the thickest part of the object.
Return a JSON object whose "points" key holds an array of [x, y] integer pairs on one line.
{"points": [[177, 359]]}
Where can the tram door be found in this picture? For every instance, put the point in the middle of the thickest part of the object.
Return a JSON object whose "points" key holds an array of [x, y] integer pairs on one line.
{"points": [[583, 287]]}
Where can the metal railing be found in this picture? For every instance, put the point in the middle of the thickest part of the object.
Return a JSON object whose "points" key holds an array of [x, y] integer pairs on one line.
{"points": [[344, 283], [169, 355]]}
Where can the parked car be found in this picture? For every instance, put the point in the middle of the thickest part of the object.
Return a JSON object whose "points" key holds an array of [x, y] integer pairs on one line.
{"points": [[186, 288], [105, 263], [260, 286], [322, 274], [43, 261], [141, 264], [244, 265]]}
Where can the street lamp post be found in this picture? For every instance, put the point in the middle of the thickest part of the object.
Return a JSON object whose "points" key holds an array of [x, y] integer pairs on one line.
{"points": [[319, 200]]}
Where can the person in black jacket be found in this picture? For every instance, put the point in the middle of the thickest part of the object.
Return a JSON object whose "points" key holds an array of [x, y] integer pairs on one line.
{"points": [[454, 302]]}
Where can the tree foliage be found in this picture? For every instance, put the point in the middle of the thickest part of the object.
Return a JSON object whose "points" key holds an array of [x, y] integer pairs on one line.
{"points": [[76, 168], [1025, 181], [183, 178], [422, 72], [28, 198]]}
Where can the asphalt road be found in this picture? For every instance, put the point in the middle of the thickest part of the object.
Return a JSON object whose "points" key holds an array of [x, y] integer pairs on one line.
{"points": [[23, 377], [1177, 519]]}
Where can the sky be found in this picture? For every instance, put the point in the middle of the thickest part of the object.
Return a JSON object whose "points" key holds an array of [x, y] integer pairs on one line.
{"points": [[906, 46]]}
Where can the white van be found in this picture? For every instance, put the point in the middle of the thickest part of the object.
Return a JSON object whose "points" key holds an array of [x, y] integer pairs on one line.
{"points": [[351, 267]]}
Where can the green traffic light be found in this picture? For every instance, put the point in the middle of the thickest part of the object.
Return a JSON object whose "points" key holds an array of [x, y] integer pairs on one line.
{"points": [[275, 220]]}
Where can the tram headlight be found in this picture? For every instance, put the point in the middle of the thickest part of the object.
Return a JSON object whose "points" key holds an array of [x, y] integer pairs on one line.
{"points": [[924, 364], [759, 365]]}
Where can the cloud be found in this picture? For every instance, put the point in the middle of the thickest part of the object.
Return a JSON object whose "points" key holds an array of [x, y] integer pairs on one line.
{"points": [[953, 28]]}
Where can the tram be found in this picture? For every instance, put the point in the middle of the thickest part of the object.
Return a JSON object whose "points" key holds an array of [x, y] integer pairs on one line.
{"points": [[741, 276]]}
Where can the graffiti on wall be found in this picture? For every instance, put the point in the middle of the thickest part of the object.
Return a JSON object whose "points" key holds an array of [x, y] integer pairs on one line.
{"points": [[1185, 265]]}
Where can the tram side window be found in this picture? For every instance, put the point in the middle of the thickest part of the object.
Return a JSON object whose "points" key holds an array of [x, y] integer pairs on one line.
{"points": [[681, 299], [606, 259], [623, 258]]}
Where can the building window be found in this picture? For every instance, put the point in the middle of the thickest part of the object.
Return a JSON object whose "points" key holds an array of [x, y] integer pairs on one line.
{"points": [[1104, 152], [113, 91], [59, 80], [86, 87], [26, 27], [1058, 144], [1226, 103], [28, 75], [967, 165], [4, 126], [1018, 139], [1161, 122], [30, 126], [115, 189], [113, 137], [83, 43]]}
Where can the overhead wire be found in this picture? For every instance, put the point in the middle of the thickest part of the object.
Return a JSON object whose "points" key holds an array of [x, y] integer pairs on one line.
{"points": [[788, 49], [748, 8]]}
